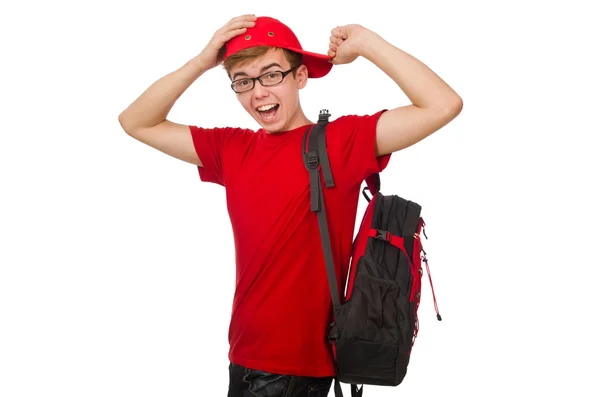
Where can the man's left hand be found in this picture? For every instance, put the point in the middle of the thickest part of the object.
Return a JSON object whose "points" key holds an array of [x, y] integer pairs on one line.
{"points": [[345, 43]]}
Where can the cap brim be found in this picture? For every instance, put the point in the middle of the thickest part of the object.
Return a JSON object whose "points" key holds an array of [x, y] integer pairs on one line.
{"points": [[318, 65]]}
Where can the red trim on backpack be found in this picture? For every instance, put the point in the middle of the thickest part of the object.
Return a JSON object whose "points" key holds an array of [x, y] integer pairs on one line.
{"points": [[396, 241], [417, 272]]}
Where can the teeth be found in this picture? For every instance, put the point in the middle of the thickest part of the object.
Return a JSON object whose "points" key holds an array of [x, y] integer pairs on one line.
{"points": [[266, 107]]}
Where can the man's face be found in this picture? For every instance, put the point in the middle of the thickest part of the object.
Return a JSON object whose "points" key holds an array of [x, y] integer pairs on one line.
{"points": [[275, 108]]}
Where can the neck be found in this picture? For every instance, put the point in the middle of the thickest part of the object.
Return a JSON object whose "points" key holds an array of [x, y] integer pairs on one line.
{"points": [[298, 120]]}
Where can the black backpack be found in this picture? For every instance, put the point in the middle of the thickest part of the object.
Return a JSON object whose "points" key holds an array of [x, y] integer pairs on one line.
{"points": [[375, 324]]}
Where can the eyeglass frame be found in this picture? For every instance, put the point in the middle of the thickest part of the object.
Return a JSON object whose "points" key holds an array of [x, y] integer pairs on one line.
{"points": [[254, 79]]}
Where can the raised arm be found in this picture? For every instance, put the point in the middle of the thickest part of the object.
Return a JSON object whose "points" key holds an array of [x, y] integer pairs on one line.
{"points": [[434, 103], [146, 118]]}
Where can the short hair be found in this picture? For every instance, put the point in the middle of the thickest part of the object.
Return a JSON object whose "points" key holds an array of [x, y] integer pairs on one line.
{"points": [[252, 53]]}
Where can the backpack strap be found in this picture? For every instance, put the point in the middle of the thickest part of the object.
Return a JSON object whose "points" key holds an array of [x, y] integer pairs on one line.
{"points": [[314, 151], [315, 154]]}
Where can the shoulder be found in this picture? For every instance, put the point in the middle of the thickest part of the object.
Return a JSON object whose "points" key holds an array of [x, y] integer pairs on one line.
{"points": [[220, 143], [225, 131], [356, 121], [351, 126], [221, 135], [354, 138]]}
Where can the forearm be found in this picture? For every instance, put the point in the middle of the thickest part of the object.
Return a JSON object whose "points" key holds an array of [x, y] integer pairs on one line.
{"points": [[420, 84], [154, 105]]}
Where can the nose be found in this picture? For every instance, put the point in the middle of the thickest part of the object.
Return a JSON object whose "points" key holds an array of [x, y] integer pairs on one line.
{"points": [[260, 91]]}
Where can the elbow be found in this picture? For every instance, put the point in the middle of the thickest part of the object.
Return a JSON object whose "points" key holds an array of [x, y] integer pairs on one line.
{"points": [[452, 108], [447, 110], [125, 123], [455, 106], [122, 120], [459, 105], [447, 107]]}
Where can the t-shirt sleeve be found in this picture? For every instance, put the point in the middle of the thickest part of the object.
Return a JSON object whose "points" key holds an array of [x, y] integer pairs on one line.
{"points": [[357, 140], [214, 146]]}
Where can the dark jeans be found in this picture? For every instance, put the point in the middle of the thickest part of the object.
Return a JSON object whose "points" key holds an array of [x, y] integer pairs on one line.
{"points": [[245, 382]]}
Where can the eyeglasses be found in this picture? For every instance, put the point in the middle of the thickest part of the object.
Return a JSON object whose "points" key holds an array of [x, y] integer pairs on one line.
{"points": [[266, 80]]}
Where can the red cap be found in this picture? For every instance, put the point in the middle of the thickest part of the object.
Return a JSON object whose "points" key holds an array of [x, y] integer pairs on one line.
{"points": [[273, 33]]}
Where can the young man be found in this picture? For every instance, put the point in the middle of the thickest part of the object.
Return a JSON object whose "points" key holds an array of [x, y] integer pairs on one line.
{"points": [[282, 304]]}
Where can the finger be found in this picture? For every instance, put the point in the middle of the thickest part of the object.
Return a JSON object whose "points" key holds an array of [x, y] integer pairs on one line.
{"points": [[335, 40], [333, 47], [331, 53], [237, 28], [241, 24], [232, 33], [238, 22], [339, 32], [247, 17]]}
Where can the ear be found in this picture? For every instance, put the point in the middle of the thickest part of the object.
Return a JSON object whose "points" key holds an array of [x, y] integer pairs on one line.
{"points": [[302, 76]]}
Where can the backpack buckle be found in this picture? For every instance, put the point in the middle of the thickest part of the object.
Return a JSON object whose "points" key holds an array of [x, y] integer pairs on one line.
{"points": [[313, 160], [334, 333], [383, 235], [324, 115]]}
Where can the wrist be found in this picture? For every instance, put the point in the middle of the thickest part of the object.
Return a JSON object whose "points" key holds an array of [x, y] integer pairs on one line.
{"points": [[367, 43], [200, 64]]}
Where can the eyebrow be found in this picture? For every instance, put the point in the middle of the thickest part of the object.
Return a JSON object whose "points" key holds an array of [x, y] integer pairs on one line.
{"points": [[263, 69]]}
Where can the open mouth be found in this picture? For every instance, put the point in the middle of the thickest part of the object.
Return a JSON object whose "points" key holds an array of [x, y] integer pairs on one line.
{"points": [[268, 112]]}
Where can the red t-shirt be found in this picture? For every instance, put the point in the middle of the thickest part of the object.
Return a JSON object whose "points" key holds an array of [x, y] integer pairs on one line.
{"points": [[282, 304]]}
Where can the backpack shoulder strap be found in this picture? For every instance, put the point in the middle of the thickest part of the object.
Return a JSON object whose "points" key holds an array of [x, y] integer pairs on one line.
{"points": [[314, 151], [315, 154]]}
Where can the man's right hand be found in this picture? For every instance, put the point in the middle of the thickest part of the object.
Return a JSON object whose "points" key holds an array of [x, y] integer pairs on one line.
{"points": [[211, 55]]}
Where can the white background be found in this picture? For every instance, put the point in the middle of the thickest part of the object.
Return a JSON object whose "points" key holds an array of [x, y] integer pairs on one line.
{"points": [[117, 263]]}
